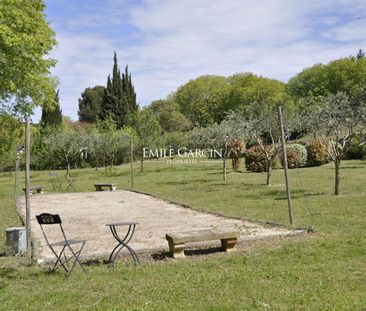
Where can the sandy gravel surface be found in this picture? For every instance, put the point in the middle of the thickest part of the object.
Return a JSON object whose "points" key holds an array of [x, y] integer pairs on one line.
{"points": [[85, 216]]}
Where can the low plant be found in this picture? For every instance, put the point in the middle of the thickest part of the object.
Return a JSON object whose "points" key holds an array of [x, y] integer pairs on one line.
{"points": [[236, 149], [256, 161], [296, 155], [317, 153]]}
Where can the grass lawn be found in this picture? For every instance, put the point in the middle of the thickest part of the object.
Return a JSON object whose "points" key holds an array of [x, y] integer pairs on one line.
{"points": [[324, 272]]}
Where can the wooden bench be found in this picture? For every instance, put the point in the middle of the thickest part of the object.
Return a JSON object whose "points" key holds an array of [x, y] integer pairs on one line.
{"points": [[35, 189], [100, 186], [177, 241]]}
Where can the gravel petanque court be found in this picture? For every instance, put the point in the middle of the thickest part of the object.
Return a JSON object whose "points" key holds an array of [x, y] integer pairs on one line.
{"points": [[85, 215]]}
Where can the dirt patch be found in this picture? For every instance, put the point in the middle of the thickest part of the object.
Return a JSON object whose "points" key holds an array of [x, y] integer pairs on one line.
{"points": [[85, 216]]}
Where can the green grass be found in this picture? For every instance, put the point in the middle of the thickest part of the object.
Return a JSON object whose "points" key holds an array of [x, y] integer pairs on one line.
{"points": [[323, 272]]}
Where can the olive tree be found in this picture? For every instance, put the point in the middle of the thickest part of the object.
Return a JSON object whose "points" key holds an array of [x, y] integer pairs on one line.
{"points": [[66, 146], [149, 132], [337, 122], [219, 137], [262, 128]]}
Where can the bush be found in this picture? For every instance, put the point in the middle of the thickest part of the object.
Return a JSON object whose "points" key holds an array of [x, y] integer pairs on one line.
{"points": [[355, 150], [296, 155], [317, 154], [237, 149], [255, 160]]}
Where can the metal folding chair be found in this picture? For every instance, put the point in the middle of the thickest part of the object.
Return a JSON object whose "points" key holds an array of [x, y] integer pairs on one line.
{"points": [[71, 180], [56, 181], [64, 246]]}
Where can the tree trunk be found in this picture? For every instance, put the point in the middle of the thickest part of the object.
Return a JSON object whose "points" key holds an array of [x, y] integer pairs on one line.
{"points": [[142, 164], [224, 170], [269, 173], [68, 170], [337, 164]]}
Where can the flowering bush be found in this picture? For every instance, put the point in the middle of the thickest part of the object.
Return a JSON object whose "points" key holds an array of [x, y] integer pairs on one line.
{"points": [[296, 155], [317, 154], [237, 149], [256, 161]]}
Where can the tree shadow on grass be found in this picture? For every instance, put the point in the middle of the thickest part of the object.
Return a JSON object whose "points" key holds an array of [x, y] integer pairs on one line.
{"points": [[351, 167], [278, 194], [185, 181], [8, 273]]}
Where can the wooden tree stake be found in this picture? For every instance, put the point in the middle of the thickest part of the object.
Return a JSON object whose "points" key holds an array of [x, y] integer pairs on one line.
{"points": [[285, 166]]}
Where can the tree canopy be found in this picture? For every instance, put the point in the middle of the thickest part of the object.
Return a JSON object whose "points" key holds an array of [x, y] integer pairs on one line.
{"points": [[168, 114], [52, 116], [25, 39], [341, 118], [90, 104], [247, 89], [345, 75], [11, 133], [203, 100]]}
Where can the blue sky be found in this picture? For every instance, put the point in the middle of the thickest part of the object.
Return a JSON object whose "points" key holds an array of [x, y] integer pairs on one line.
{"points": [[168, 42]]}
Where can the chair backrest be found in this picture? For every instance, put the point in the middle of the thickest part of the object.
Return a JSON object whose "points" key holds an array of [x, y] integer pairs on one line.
{"points": [[50, 219]]}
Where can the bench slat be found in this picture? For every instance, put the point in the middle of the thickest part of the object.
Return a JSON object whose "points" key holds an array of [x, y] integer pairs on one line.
{"points": [[201, 235]]}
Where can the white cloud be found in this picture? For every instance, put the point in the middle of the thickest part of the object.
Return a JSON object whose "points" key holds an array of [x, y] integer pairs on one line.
{"points": [[180, 40]]}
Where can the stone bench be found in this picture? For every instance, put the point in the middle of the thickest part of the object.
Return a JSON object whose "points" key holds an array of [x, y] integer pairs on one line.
{"points": [[100, 186], [35, 189], [177, 241]]}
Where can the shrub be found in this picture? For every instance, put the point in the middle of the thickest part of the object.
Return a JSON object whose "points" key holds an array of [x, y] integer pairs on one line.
{"points": [[237, 149], [296, 155], [293, 158], [255, 160], [356, 150], [317, 154]]}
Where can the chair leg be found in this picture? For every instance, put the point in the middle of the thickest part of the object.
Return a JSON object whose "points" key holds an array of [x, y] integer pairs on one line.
{"points": [[59, 260], [65, 262], [76, 255]]}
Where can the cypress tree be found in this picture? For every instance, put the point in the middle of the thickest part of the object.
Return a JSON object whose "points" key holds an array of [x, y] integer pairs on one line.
{"points": [[119, 99], [52, 117], [360, 54], [132, 96]]}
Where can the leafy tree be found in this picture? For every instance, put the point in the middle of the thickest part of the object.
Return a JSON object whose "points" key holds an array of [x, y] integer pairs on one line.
{"points": [[66, 146], [204, 100], [52, 116], [263, 128], [107, 142], [247, 89], [148, 130], [25, 39], [218, 137], [42, 153], [169, 116], [119, 98], [11, 134], [175, 140], [345, 75], [90, 104], [337, 123]]}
